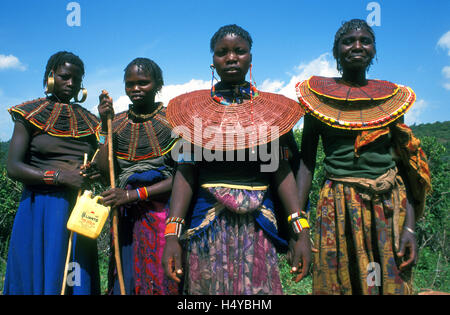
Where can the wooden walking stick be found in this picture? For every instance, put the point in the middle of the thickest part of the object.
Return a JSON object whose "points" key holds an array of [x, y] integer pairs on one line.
{"points": [[115, 212], [69, 249]]}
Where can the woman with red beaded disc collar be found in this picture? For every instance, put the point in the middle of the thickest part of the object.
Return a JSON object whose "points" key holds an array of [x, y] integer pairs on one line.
{"points": [[230, 234], [365, 215]]}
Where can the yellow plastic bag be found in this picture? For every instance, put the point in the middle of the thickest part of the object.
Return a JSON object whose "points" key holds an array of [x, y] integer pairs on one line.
{"points": [[88, 216]]}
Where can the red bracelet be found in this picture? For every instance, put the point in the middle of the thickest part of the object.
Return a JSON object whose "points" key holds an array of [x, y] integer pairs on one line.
{"points": [[142, 193], [49, 177]]}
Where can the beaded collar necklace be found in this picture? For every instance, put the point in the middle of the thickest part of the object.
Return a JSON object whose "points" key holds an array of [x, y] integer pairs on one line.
{"points": [[229, 96], [134, 115]]}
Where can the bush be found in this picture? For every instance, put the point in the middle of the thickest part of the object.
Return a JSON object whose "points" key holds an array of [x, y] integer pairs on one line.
{"points": [[10, 192]]}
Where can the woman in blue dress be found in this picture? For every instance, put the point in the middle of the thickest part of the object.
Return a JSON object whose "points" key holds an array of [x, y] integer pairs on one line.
{"points": [[51, 136]]}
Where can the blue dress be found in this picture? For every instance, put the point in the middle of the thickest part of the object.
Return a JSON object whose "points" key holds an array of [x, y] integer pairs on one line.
{"points": [[39, 239]]}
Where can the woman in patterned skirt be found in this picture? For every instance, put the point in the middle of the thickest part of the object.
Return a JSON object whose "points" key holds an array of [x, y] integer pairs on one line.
{"points": [[365, 215], [142, 143], [230, 232]]}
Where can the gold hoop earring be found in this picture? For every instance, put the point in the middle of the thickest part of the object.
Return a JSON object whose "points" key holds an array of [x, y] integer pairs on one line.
{"points": [[50, 83], [83, 98]]}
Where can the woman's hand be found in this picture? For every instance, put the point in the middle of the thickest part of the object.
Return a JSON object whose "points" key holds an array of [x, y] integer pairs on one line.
{"points": [[72, 179], [407, 244], [171, 259], [105, 108], [116, 197], [90, 171], [299, 255]]}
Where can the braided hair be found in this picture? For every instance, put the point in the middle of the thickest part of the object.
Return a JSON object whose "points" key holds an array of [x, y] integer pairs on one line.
{"points": [[354, 24], [149, 67], [59, 59], [231, 29]]}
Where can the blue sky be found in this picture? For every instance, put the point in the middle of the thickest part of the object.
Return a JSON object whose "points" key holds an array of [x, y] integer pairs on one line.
{"points": [[292, 41]]}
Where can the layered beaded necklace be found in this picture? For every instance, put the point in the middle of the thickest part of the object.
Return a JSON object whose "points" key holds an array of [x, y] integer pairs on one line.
{"points": [[234, 95], [135, 115]]}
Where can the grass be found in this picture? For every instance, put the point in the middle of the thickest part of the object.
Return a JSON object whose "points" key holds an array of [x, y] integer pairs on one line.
{"points": [[432, 272], [291, 287]]}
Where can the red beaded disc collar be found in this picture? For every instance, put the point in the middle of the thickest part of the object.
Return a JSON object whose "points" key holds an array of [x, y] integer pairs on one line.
{"points": [[205, 122]]}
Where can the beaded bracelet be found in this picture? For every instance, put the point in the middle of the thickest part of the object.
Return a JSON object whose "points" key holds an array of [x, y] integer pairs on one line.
{"points": [[174, 226], [49, 177], [175, 219], [142, 193], [52, 177], [299, 225], [296, 215], [298, 220]]}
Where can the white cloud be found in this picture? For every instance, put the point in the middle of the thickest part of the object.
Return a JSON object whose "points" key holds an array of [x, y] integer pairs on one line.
{"points": [[446, 72], [414, 114], [11, 62], [121, 104], [271, 86], [170, 91], [444, 42], [324, 65], [167, 93]]}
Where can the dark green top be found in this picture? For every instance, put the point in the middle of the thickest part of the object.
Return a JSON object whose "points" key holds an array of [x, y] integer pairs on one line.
{"points": [[340, 160]]}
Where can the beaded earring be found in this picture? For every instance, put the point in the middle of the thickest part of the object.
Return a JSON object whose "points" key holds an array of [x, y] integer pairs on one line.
{"points": [[212, 77]]}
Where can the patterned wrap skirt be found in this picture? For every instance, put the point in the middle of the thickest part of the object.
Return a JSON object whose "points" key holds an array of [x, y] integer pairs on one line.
{"points": [[357, 240], [141, 241], [232, 255]]}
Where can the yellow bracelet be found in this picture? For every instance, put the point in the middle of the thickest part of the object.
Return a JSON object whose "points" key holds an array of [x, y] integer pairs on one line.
{"points": [[304, 223], [299, 225]]}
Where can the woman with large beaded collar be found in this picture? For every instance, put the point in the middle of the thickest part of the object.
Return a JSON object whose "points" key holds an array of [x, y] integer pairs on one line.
{"points": [[365, 217], [50, 139], [142, 144], [230, 234]]}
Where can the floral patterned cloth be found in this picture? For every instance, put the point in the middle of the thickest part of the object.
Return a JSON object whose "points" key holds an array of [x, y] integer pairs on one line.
{"points": [[238, 200]]}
